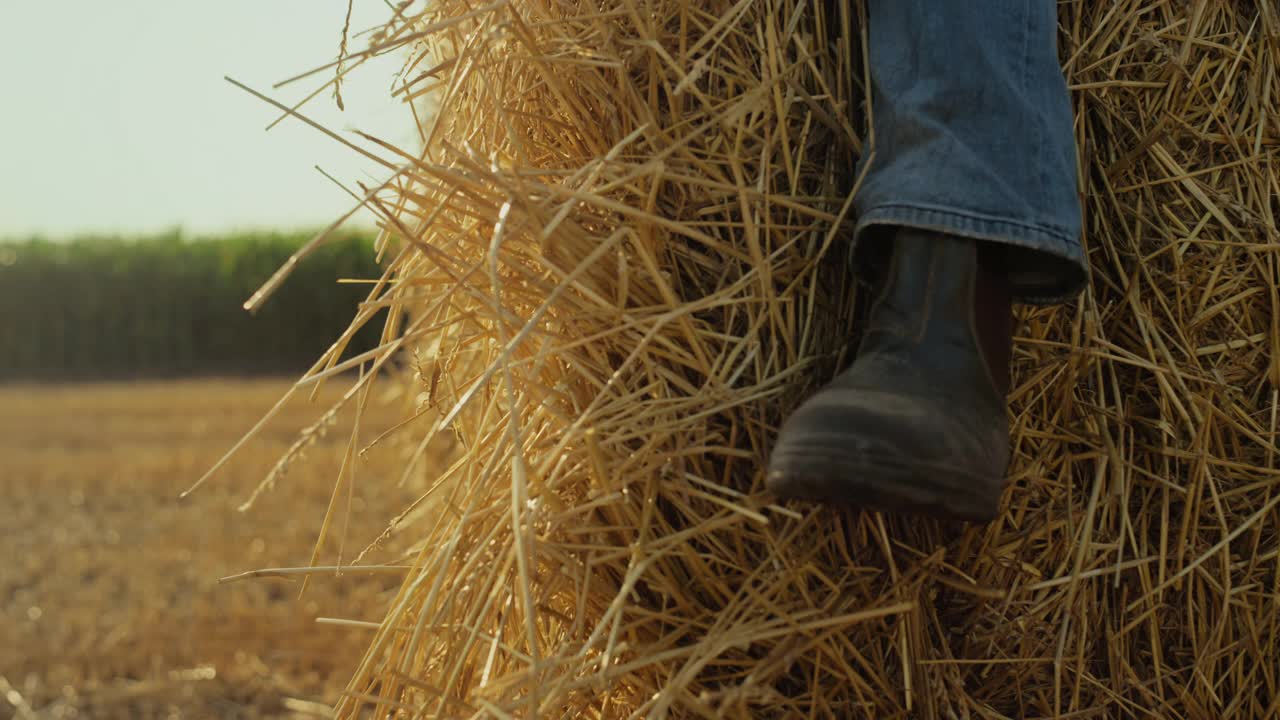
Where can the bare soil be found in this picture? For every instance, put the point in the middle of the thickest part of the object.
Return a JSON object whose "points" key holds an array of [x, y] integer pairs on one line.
{"points": [[110, 604]]}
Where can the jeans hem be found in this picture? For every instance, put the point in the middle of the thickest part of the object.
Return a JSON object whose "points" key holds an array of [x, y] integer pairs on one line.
{"points": [[1040, 251]]}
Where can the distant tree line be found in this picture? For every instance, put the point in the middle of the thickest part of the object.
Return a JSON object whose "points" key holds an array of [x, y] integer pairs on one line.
{"points": [[169, 306]]}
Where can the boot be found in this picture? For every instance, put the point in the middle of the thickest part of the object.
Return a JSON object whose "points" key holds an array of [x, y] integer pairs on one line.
{"points": [[918, 423]]}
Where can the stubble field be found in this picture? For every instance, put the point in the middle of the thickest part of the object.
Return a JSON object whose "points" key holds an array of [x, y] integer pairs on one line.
{"points": [[110, 604]]}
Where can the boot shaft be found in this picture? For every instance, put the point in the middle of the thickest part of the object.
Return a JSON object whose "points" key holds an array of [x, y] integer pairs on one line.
{"points": [[942, 303]]}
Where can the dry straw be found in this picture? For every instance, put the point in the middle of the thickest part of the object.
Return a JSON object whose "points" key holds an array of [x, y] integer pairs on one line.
{"points": [[619, 258]]}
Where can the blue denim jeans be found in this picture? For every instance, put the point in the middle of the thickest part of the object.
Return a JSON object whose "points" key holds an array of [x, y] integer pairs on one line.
{"points": [[972, 130]]}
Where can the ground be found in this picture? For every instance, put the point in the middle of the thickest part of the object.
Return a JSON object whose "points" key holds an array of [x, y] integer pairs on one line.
{"points": [[110, 604]]}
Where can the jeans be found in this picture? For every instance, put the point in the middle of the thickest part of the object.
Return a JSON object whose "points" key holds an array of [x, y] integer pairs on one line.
{"points": [[972, 129]]}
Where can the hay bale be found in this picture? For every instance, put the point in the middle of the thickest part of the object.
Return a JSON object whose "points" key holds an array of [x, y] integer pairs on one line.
{"points": [[622, 260]]}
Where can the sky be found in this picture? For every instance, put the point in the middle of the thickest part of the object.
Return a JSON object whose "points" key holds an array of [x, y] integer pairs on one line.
{"points": [[115, 117]]}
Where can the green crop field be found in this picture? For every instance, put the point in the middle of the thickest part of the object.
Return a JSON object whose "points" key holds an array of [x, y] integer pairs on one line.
{"points": [[167, 306]]}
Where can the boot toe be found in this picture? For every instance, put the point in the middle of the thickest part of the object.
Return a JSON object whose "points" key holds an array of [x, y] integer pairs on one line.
{"points": [[881, 450]]}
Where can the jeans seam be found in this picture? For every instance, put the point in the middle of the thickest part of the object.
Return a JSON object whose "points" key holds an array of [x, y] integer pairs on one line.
{"points": [[1043, 237], [1037, 140], [1056, 232]]}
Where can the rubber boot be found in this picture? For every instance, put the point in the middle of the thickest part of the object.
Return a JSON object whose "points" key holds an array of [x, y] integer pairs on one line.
{"points": [[918, 423]]}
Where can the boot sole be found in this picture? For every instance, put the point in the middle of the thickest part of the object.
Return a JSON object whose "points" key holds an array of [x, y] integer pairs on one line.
{"points": [[883, 483]]}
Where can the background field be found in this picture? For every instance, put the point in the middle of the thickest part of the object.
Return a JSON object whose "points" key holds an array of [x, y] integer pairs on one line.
{"points": [[109, 599], [170, 305]]}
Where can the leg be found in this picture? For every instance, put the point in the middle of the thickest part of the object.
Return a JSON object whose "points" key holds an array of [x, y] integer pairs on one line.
{"points": [[972, 126], [971, 194]]}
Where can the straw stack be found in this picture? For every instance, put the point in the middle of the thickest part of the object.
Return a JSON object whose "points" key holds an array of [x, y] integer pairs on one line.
{"points": [[622, 258]]}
